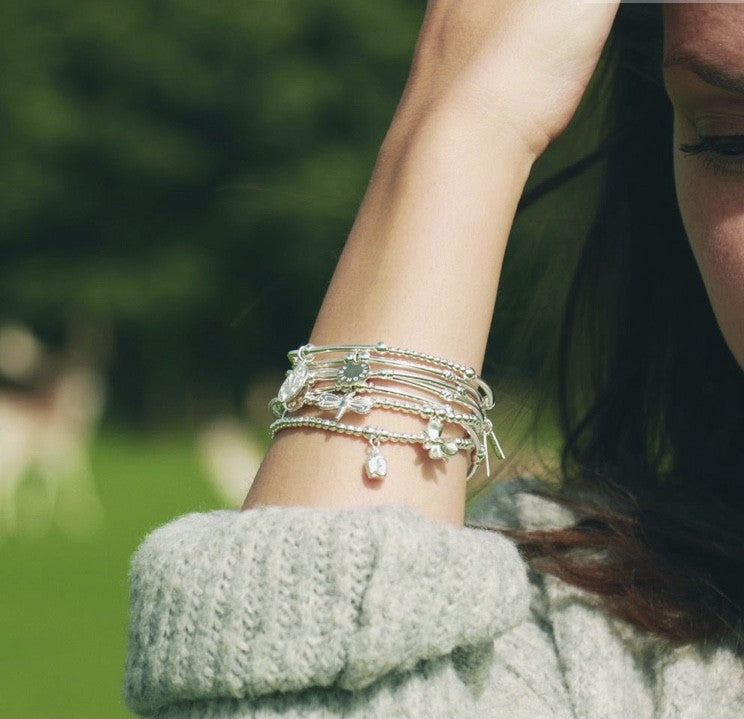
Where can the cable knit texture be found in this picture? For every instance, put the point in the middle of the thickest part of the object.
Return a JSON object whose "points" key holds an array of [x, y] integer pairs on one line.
{"points": [[308, 612]]}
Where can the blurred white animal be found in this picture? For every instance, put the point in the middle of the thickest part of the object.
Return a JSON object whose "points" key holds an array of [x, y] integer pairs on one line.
{"points": [[45, 431], [21, 354], [231, 457]]}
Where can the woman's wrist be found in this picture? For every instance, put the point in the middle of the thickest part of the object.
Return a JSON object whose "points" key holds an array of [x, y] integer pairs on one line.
{"points": [[423, 117]]}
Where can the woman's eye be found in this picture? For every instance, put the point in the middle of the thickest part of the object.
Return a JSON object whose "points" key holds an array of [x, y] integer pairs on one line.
{"points": [[724, 154]]}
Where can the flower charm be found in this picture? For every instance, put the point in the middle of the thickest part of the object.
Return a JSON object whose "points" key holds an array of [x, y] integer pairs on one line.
{"points": [[438, 448], [346, 402]]}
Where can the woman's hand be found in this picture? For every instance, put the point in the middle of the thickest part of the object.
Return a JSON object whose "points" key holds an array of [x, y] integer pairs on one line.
{"points": [[520, 65]]}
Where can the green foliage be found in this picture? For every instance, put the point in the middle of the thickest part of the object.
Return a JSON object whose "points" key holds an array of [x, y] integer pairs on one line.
{"points": [[189, 172]]}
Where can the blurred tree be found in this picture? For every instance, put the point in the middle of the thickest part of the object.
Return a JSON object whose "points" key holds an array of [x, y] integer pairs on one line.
{"points": [[189, 171]]}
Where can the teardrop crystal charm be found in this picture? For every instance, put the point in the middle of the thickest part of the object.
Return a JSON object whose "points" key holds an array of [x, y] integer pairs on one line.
{"points": [[376, 464]]}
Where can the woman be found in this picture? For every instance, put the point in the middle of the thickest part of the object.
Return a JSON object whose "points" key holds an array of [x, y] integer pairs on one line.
{"points": [[349, 585]]}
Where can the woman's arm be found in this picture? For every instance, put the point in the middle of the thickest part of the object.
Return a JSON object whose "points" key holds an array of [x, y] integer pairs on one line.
{"points": [[419, 270], [421, 265]]}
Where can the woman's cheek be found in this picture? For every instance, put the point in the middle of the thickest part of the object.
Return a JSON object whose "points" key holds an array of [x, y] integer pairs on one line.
{"points": [[712, 208]]}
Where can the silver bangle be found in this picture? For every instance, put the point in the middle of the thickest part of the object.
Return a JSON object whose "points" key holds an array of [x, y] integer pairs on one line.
{"points": [[334, 383], [363, 405], [356, 371], [376, 464], [381, 349]]}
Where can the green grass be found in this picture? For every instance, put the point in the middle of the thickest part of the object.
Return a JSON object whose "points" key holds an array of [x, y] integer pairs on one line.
{"points": [[64, 602]]}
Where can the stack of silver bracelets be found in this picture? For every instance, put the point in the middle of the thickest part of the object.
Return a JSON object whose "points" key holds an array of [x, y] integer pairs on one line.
{"points": [[341, 379]]}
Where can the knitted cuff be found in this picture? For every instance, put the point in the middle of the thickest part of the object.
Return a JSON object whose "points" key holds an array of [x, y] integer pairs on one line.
{"points": [[234, 603]]}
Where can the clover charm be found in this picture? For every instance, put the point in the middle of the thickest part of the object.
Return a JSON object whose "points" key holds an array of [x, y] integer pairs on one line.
{"points": [[438, 447]]}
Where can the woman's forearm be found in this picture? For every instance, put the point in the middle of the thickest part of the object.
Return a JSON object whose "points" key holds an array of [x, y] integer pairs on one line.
{"points": [[419, 270], [421, 265]]}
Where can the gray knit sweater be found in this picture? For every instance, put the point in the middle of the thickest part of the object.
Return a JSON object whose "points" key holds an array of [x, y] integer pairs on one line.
{"points": [[306, 612]]}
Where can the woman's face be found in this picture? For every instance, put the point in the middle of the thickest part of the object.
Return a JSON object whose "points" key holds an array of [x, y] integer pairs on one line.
{"points": [[704, 77]]}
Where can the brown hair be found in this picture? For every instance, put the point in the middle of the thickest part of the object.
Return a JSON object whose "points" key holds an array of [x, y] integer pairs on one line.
{"points": [[651, 401]]}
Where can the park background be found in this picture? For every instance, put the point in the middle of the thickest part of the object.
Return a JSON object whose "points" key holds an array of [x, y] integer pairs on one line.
{"points": [[178, 179]]}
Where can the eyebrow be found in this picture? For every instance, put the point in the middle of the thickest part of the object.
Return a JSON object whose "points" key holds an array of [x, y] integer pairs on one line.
{"points": [[712, 74]]}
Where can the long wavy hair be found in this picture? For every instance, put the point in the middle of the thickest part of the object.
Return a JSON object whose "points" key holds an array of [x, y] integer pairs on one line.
{"points": [[651, 401]]}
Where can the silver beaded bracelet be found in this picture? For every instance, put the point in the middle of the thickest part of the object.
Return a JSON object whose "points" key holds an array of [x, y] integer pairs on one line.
{"points": [[321, 378], [376, 464]]}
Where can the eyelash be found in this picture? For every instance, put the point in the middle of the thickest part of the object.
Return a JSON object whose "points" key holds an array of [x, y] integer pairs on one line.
{"points": [[724, 154]]}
